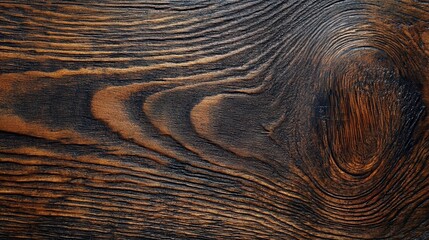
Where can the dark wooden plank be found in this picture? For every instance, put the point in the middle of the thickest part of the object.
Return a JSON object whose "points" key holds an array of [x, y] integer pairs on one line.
{"points": [[244, 119]]}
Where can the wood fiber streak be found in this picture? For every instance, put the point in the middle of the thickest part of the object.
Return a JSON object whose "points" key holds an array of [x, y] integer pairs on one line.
{"points": [[244, 119]]}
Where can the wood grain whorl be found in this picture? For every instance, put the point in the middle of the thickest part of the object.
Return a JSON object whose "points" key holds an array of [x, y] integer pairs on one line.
{"points": [[244, 119]]}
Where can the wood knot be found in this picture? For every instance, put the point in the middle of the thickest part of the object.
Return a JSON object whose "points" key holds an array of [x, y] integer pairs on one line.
{"points": [[366, 105]]}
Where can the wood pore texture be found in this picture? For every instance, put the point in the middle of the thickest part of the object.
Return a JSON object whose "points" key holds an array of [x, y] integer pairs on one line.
{"points": [[247, 119]]}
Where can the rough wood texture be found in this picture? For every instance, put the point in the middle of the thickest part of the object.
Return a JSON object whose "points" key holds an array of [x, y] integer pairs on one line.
{"points": [[214, 119]]}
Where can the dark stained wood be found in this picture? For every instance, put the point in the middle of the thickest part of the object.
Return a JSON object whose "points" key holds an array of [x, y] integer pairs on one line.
{"points": [[244, 119]]}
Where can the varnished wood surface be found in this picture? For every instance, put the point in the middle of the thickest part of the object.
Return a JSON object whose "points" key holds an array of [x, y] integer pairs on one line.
{"points": [[214, 119]]}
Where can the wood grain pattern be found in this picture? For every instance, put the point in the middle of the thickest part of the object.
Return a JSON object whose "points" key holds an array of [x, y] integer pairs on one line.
{"points": [[244, 119]]}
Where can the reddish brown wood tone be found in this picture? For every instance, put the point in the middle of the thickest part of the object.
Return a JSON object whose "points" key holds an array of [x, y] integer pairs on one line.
{"points": [[246, 119]]}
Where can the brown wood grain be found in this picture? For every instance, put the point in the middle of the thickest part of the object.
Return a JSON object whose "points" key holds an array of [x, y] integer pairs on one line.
{"points": [[244, 119]]}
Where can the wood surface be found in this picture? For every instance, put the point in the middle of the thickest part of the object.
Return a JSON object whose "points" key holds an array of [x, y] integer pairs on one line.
{"points": [[245, 119]]}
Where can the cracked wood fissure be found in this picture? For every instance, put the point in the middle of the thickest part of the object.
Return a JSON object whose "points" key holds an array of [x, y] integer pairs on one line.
{"points": [[238, 119]]}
